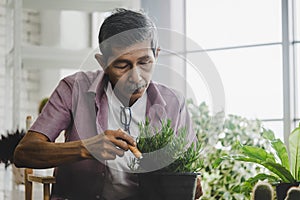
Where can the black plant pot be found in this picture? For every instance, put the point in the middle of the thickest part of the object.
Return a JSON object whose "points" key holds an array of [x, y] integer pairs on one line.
{"points": [[282, 189], [167, 186]]}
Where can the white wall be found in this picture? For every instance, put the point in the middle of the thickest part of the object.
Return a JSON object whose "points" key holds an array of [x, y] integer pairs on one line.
{"points": [[30, 79], [29, 87], [51, 28], [63, 29], [2, 60]]}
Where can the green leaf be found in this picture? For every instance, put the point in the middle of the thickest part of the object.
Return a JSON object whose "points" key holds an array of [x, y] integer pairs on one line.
{"points": [[278, 146], [280, 171], [294, 145], [257, 153], [268, 134], [281, 152], [218, 161], [245, 187], [276, 168], [262, 177]]}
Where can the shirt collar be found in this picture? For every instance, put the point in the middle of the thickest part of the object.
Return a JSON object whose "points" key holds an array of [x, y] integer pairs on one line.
{"points": [[154, 95], [98, 85]]}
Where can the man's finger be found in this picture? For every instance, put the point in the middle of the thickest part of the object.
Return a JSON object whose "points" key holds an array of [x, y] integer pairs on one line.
{"points": [[120, 143], [112, 148], [120, 134]]}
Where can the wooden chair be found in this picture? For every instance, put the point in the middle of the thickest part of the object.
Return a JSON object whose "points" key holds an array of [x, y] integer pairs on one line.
{"points": [[30, 177]]}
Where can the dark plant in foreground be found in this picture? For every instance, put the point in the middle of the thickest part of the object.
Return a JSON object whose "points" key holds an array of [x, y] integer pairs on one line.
{"points": [[8, 144]]}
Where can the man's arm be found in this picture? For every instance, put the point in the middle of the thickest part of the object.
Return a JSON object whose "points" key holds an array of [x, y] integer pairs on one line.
{"points": [[36, 151]]}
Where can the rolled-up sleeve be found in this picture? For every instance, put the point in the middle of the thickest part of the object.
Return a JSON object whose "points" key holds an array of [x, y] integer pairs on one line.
{"points": [[56, 115]]}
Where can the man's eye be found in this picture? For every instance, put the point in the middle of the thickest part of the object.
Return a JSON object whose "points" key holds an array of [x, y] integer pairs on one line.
{"points": [[144, 63], [121, 66]]}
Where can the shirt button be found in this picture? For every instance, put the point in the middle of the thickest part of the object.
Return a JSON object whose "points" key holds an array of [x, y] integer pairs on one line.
{"points": [[103, 174], [97, 196]]}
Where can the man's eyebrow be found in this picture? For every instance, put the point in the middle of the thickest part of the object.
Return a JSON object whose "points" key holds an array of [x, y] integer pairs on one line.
{"points": [[144, 57], [120, 61]]}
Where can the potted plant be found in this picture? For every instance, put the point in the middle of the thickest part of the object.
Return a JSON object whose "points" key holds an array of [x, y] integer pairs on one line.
{"points": [[219, 134], [285, 170], [169, 164]]}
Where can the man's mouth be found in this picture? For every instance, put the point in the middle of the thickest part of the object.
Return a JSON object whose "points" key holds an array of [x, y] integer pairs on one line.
{"points": [[137, 88]]}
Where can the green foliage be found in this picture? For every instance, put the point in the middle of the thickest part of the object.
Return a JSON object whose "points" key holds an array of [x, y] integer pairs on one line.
{"points": [[42, 104], [187, 161], [151, 139], [294, 144], [170, 147], [221, 136], [276, 160]]}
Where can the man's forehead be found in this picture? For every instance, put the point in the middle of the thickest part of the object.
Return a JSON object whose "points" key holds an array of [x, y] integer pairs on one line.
{"points": [[142, 49], [141, 46]]}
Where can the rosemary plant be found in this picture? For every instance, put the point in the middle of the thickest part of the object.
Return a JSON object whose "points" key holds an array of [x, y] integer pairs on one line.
{"points": [[160, 146]]}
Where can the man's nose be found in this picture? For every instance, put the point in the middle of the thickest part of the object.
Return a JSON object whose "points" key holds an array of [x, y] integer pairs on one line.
{"points": [[135, 75]]}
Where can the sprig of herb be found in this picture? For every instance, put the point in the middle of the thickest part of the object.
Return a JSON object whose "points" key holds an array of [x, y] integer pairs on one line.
{"points": [[151, 139], [175, 147]]}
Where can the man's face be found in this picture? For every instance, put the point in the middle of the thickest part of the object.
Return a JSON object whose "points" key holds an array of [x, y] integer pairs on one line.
{"points": [[130, 70]]}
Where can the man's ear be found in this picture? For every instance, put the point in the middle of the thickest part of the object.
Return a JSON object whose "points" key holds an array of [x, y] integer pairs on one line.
{"points": [[157, 52], [100, 59]]}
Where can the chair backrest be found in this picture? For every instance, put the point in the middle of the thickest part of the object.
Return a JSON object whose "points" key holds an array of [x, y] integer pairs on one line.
{"points": [[19, 173], [29, 177], [28, 171]]}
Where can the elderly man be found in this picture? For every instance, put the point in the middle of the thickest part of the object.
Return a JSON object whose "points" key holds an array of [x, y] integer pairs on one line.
{"points": [[100, 112]]}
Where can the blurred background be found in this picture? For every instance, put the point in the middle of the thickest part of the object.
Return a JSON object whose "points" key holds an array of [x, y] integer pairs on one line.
{"points": [[253, 45]]}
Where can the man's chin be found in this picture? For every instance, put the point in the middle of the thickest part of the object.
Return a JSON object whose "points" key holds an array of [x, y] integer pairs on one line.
{"points": [[137, 94], [139, 91]]}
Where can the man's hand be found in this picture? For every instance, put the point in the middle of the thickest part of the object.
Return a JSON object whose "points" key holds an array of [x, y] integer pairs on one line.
{"points": [[199, 192], [108, 145]]}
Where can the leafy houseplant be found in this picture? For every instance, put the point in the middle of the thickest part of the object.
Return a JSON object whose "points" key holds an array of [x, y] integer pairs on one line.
{"points": [[168, 169], [219, 135], [285, 169]]}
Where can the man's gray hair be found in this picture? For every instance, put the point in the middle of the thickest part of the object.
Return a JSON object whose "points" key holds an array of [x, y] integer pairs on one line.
{"points": [[124, 28]]}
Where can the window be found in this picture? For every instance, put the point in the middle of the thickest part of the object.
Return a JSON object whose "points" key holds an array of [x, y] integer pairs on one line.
{"points": [[215, 23], [244, 41], [297, 57], [252, 79], [297, 19]]}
